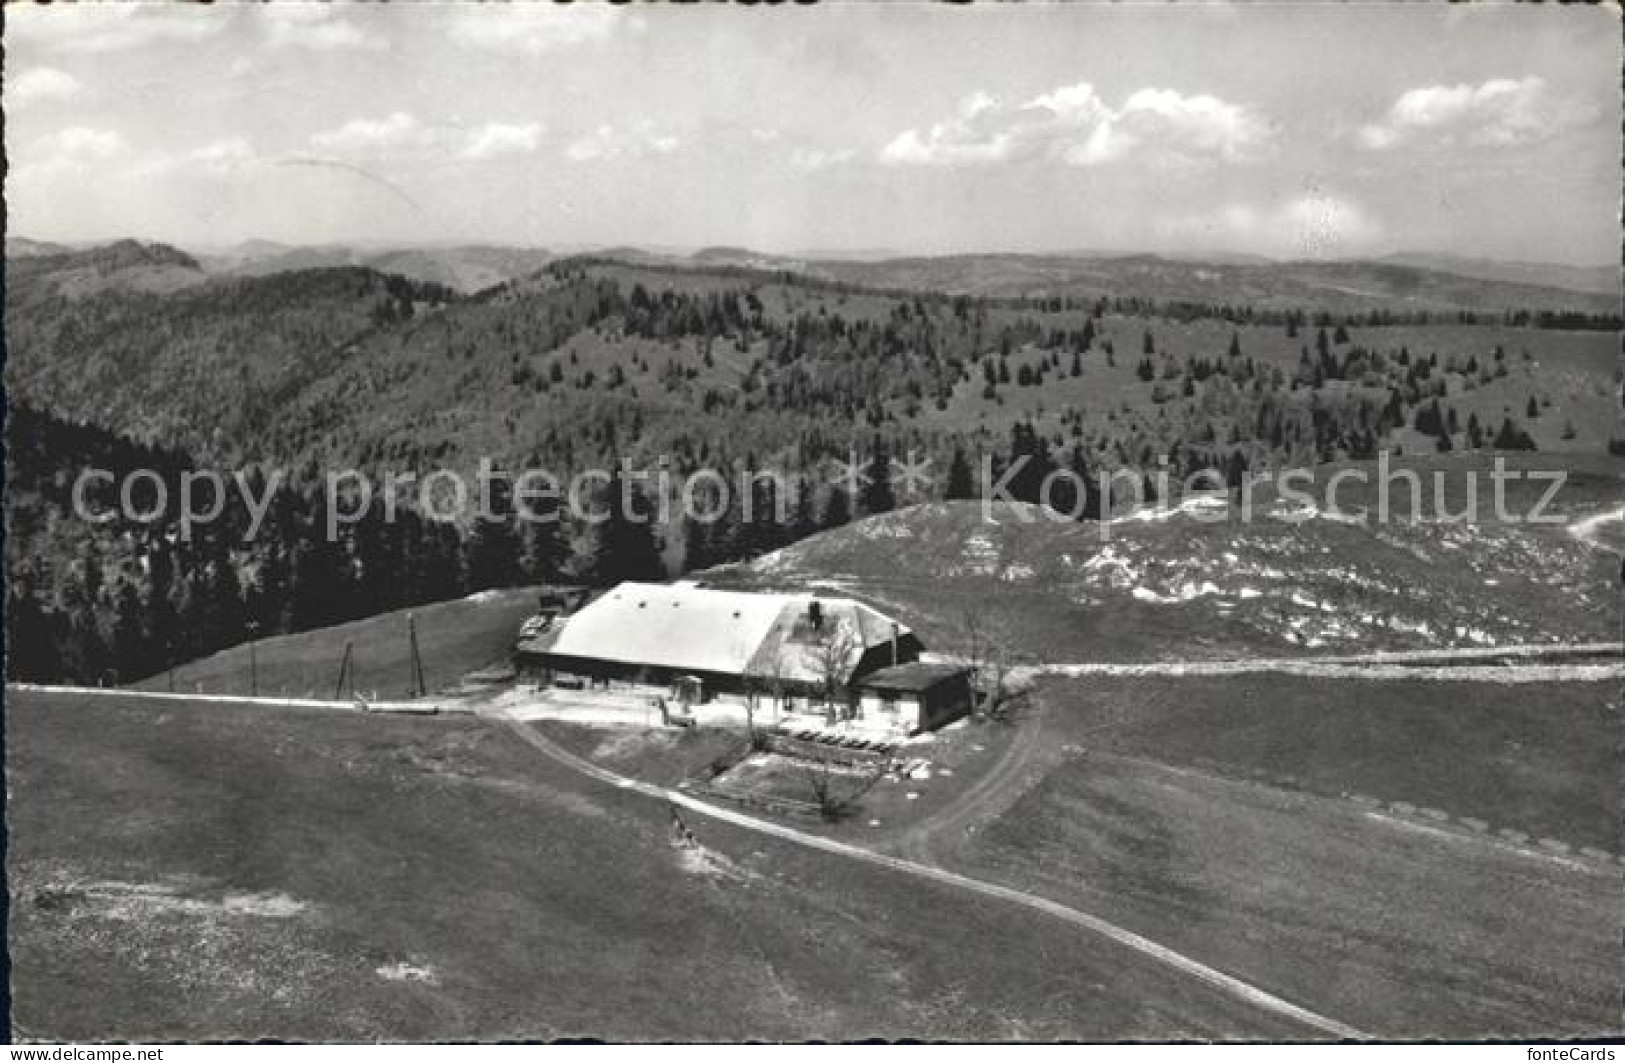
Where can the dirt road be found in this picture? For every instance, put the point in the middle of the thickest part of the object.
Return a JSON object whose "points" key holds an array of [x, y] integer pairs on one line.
{"points": [[1021, 764], [1536, 663], [1126, 938]]}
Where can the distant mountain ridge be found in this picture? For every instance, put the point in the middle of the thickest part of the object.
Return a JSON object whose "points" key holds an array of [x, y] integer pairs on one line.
{"points": [[466, 268], [75, 273], [1336, 285], [1604, 280], [1333, 286], [1400, 281], [22, 247], [104, 258]]}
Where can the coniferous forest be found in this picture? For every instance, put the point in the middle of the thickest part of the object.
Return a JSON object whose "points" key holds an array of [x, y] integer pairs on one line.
{"points": [[131, 357]]}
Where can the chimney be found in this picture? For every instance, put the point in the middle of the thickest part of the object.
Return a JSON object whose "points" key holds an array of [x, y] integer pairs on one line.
{"points": [[815, 615], [894, 642]]}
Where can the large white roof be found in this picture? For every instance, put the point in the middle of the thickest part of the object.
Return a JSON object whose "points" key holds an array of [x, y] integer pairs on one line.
{"points": [[702, 629]]}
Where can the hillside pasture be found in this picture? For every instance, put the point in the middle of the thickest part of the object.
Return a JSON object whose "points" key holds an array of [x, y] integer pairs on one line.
{"points": [[1391, 924], [1538, 758], [218, 871], [454, 638], [1573, 376], [1199, 582]]}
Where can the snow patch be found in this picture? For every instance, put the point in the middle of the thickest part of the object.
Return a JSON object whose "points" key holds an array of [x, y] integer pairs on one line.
{"points": [[1158, 512], [1184, 592], [138, 901], [698, 860], [1307, 511], [264, 905], [405, 972]]}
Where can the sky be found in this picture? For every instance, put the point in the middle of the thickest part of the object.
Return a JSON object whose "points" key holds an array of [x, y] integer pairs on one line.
{"points": [[1303, 131]]}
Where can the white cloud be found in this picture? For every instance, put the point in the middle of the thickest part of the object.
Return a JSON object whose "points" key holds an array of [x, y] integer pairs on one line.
{"points": [[41, 83], [79, 142], [1074, 125], [223, 156], [498, 138], [220, 158], [817, 159], [607, 142], [361, 136], [74, 148], [1497, 113], [1199, 125], [532, 29], [975, 134], [402, 134], [111, 27], [315, 26]]}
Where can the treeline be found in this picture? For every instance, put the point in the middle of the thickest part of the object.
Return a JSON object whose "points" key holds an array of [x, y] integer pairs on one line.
{"points": [[115, 602], [339, 368], [579, 368], [108, 589], [210, 369], [1182, 310], [114, 586]]}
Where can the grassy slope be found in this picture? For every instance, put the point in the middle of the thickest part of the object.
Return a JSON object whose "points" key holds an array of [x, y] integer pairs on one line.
{"points": [[1216, 815], [1212, 813], [1396, 927], [533, 903], [1539, 758], [1065, 591], [454, 638], [1332, 285], [466, 380], [1577, 371]]}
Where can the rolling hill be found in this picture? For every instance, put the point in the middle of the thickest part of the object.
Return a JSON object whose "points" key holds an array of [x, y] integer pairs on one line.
{"points": [[1401, 282], [466, 268], [1187, 581], [499, 374], [458, 638], [22, 247], [1604, 280], [591, 361], [42, 271], [1338, 287], [137, 338], [187, 872]]}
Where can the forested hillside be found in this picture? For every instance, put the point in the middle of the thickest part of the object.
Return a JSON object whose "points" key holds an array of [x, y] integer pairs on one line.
{"points": [[99, 592], [591, 361]]}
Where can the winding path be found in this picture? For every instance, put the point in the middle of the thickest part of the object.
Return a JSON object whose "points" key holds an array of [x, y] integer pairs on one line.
{"points": [[1004, 782], [986, 799], [1229, 984], [1536, 663]]}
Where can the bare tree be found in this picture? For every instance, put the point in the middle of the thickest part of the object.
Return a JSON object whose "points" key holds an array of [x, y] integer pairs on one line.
{"points": [[835, 793], [774, 679], [831, 659], [986, 650]]}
